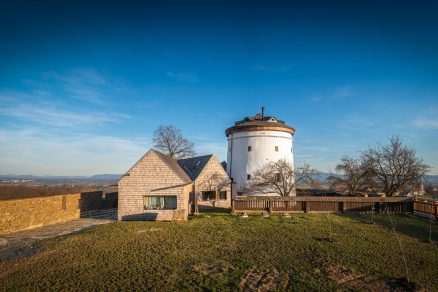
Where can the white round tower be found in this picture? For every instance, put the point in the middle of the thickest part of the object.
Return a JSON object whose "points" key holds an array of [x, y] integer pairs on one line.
{"points": [[253, 142]]}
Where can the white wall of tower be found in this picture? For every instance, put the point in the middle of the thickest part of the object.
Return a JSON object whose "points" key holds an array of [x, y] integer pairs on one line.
{"points": [[241, 162]]}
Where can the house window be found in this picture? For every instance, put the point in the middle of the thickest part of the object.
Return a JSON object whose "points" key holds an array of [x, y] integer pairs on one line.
{"points": [[277, 176], [223, 195], [208, 195], [159, 202], [249, 148], [248, 176], [276, 148]]}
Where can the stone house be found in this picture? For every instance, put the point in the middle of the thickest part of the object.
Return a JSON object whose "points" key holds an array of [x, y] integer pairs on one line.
{"points": [[160, 188], [211, 183]]}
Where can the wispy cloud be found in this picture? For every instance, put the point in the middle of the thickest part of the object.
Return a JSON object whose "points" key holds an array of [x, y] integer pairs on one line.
{"points": [[85, 154], [184, 76], [271, 69], [344, 91], [426, 123], [44, 113], [82, 84]]}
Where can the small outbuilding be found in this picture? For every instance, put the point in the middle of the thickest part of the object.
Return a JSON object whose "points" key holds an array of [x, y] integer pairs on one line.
{"points": [[160, 188]]}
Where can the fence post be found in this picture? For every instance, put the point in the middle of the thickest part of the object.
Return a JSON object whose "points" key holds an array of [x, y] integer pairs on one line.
{"points": [[306, 206], [436, 211], [343, 206]]}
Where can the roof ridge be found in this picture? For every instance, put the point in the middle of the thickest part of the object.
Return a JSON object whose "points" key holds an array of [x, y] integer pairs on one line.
{"points": [[166, 158]]}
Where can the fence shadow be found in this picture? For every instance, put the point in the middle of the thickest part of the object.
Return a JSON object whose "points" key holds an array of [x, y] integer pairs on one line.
{"points": [[210, 209], [407, 224]]}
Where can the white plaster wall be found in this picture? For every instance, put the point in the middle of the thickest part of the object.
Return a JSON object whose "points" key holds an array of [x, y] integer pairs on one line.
{"points": [[240, 162]]}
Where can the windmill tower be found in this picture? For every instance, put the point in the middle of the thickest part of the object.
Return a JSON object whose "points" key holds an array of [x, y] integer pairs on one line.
{"points": [[253, 142]]}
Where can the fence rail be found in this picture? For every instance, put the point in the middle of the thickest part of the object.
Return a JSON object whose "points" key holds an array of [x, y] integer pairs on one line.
{"points": [[333, 204]]}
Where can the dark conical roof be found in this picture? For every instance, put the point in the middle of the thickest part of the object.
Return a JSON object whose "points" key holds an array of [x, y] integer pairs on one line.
{"points": [[260, 122]]}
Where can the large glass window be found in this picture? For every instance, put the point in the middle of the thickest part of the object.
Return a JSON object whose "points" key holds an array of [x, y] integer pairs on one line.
{"points": [[159, 202], [208, 195]]}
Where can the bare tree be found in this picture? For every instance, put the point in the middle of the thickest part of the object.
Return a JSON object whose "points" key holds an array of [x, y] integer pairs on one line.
{"points": [[281, 177], [393, 167], [351, 173], [170, 141], [214, 182]]}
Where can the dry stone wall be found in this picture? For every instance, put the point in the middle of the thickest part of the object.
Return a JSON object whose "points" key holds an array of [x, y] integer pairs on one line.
{"points": [[27, 213], [16, 215]]}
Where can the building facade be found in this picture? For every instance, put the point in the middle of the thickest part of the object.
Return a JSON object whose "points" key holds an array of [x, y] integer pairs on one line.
{"points": [[160, 188], [252, 143], [211, 183]]}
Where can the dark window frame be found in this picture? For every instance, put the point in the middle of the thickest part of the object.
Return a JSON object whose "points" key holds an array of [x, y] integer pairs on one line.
{"points": [[166, 201], [223, 195]]}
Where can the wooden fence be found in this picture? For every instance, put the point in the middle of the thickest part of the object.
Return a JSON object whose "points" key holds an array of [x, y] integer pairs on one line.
{"points": [[332, 204]]}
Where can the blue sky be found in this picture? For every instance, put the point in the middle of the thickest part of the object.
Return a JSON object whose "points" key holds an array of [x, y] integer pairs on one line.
{"points": [[83, 84]]}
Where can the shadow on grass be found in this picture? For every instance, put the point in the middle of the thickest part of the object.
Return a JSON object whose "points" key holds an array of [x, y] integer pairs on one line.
{"points": [[406, 224], [208, 209]]}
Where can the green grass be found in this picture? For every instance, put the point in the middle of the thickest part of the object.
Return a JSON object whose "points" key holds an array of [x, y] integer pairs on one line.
{"points": [[214, 251]]}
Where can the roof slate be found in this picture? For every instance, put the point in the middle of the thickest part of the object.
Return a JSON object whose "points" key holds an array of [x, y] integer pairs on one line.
{"points": [[193, 166]]}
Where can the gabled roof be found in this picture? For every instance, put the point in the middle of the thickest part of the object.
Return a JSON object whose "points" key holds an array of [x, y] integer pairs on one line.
{"points": [[174, 166], [193, 166], [171, 163]]}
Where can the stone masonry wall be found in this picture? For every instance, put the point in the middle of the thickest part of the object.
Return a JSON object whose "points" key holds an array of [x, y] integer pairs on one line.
{"points": [[16, 215], [151, 176]]}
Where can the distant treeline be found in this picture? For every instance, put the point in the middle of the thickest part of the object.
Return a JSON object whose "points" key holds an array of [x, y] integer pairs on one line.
{"points": [[11, 192]]}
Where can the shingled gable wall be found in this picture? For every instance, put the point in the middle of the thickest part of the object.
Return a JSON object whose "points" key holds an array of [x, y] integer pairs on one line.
{"points": [[152, 176], [213, 166]]}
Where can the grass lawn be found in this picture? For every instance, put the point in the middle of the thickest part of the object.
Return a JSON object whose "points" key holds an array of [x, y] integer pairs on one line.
{"points": [[224, 252]]}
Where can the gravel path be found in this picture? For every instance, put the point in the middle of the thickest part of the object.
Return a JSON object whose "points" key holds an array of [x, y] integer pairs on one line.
{"points": [[26, 243]]}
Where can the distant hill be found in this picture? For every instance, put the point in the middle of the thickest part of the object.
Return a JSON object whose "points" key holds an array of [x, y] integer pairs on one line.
{"points": [[98, 178]]}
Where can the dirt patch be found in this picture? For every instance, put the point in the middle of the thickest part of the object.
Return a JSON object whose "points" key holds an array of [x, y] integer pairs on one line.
{"points": [[258, 280], [357, 281], [207, 270], [341, 275], [3, 242], [149, 230]]}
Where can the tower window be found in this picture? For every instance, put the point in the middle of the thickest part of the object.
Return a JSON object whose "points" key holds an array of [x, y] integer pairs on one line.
{"points": [[248, 176], [249, 148], [276, 148], [277, 176]]}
